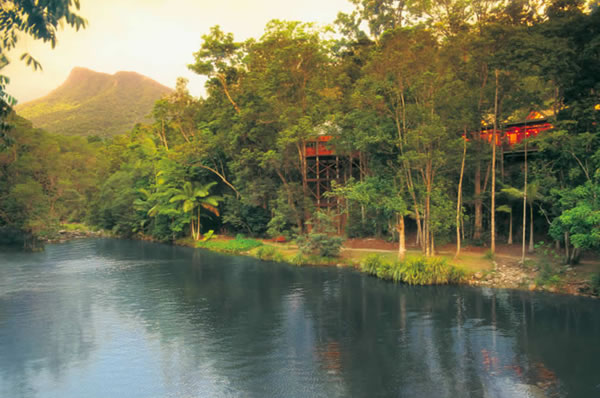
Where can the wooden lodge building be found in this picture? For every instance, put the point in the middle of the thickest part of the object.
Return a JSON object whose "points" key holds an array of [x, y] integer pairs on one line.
{"points": [[322, 165], [515, 133]]}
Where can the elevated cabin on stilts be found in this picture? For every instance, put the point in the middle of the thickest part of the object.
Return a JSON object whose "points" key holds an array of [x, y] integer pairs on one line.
{"points": [[322, 166]]}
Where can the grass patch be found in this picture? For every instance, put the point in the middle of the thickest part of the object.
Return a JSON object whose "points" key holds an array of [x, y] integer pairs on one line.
{"points": [[413, 271], [234, 246]]}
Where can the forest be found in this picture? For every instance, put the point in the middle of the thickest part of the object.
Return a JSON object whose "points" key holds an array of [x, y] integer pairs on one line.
{"points": [[410, 95]]}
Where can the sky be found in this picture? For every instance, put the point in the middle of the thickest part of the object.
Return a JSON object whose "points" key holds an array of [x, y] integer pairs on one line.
{"points": [[156, 38]]}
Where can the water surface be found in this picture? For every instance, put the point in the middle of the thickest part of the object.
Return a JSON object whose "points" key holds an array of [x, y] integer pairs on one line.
{"points": [[116, 318]]}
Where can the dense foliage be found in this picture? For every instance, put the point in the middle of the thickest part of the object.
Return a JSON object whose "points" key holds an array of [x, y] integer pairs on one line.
{"points": [[45, 179], [399, 90]]}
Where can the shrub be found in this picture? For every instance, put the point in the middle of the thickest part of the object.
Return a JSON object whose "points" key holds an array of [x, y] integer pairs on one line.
{"points": [[324, 245], [322, 239], [267, 252], [488, 255]]}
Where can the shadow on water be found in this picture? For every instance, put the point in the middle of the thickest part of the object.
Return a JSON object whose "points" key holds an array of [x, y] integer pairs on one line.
{"points": [[197, 322]]}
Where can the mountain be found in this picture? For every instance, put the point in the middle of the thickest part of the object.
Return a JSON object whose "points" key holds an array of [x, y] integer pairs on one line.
{"points": [[93, 103]]}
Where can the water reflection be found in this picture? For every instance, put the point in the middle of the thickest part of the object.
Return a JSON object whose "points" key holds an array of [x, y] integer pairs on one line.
{"points": [[157, 320]]}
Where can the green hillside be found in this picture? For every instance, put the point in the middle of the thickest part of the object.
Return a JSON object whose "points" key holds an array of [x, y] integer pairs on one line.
{"points": [[92, 103]]}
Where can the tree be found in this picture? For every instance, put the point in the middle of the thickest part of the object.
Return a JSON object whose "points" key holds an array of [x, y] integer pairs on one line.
{"points": [[219, 58], [512, 194], [379, 16], [580, 224], [176, 112], [44, 171], [382, 194], [459, 199], [193, 197]]}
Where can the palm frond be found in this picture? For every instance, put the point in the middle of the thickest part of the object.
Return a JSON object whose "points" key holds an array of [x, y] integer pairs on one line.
{"points": [[178, 198], [504, 209], [189, 205], [210, 208]]}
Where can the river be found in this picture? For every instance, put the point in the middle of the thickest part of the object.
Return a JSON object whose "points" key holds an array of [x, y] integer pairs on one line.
{"points": [[118, 318]]}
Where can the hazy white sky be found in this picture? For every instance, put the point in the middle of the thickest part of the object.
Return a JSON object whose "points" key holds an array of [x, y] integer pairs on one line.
{"points": [[153, 37]]}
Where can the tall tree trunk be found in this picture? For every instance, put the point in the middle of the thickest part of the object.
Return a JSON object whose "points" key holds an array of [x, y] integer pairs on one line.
{"points": [[459, 199], [401, 237], [478, 203], [510, 228], [524, 208], [223, 81], [419, 233], [427, 222], [575, 256], [198, 225], [184, 135], [426, 234], [361, 174], [477, 231], [302, 159], [411, 190], [163, 136], [193, 232], [567, 259], [290, 197], [531, 246], [493, 209]]}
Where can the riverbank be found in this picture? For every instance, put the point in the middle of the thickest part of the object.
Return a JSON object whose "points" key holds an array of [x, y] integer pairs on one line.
{"points": [[72, 231], [477, 267], [540, 272]]}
